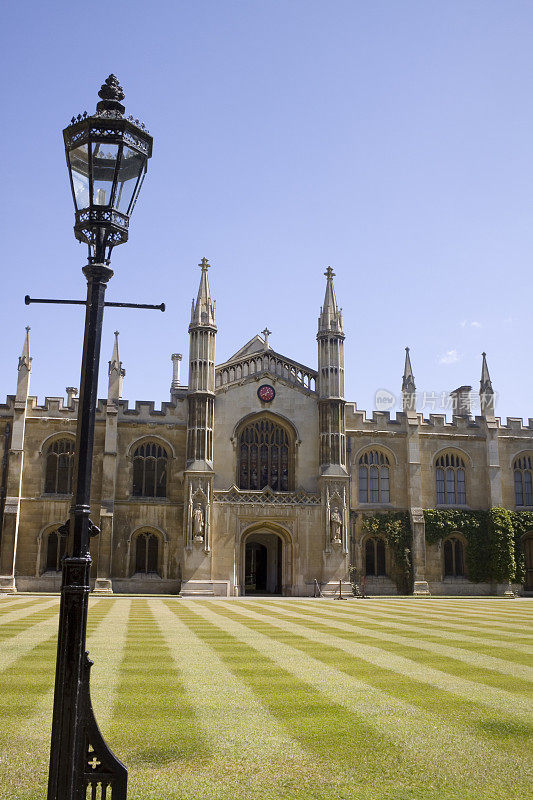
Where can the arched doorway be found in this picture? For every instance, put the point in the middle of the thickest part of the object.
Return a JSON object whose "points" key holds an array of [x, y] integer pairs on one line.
{"points": [[265, 562]]}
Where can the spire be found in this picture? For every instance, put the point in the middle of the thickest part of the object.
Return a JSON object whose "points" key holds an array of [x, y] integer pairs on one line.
{"points": [[116, 374], [408, 385], [330, 315], [25, 358], [203, 311], [486, 392], [24, 369]]}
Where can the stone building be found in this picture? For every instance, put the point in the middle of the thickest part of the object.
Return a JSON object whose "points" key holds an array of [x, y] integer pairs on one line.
{"points": [[257, 476]]}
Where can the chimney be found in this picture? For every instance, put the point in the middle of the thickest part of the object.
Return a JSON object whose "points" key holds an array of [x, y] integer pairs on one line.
{"points": [[72, 392], [461, 401]]}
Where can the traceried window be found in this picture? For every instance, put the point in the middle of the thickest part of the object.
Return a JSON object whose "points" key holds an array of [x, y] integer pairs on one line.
{"points": [[59, 467], [451, 481], [374, 485], [146, 553], [150, 471], [264, 457], [454, 558], [375, 556], [523, 480], [55, 550]]}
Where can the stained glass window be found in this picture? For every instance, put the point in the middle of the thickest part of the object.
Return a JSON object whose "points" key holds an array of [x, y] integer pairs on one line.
{"points": [[264, 450], [523, 480], [150, 471], [374, 486], [450, 480], [59, 467]]}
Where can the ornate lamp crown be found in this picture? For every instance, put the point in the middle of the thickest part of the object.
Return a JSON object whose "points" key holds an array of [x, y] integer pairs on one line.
{"points": [[107, 157]]}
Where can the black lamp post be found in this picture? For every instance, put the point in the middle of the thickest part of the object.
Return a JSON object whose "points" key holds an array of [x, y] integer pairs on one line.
{"points": [[107, 157]]}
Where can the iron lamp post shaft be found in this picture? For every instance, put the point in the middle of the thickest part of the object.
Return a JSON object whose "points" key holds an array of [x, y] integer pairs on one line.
{"points": [[70, 701]]}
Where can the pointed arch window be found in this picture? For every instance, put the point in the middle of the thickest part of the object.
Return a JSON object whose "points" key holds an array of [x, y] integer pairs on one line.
{"points": [[374, 478], [56, 546], [523, 480], [451, 480], [59, 467], [454, 558], [147, 553], [375, 560], [150, 471], [265, 457]]}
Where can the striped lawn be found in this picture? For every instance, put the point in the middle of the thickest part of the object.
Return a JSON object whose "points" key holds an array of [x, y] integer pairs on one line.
{"points": [[261, 699]]}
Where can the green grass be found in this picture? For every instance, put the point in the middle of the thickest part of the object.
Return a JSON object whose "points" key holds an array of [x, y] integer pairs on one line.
{"points": [[378, 699]]}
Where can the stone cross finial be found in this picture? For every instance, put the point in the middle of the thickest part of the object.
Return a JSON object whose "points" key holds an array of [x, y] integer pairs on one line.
{"points": [[329, 273], [204, 264], [266, 333]]}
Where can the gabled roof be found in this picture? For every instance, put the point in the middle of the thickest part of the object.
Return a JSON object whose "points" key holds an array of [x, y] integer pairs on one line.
{"points": [[255, 345]]}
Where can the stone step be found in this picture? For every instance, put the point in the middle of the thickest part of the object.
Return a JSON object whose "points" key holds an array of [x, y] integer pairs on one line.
{"points": [[197, 593]]}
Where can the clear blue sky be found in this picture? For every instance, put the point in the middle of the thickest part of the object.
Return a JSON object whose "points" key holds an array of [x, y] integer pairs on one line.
{"points": [[392, 140]]}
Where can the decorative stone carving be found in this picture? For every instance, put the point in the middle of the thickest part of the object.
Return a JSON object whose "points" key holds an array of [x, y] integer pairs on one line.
{"points": [[198, 523], [335, 525], [267, 497]]}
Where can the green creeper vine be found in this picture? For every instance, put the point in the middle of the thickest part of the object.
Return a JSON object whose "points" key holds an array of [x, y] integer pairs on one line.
{"points": [[494, 551], [395, 527]]}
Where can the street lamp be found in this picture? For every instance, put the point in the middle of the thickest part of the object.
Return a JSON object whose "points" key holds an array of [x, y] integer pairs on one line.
{"points": [[107, 156]]}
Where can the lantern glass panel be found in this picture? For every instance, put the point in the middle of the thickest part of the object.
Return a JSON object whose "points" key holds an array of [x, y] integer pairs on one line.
{"points": [[103, 171], [132, 164], [79, 168]]}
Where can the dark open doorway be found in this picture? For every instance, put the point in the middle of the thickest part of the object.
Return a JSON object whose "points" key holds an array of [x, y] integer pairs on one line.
{"points": [[263, 564]]}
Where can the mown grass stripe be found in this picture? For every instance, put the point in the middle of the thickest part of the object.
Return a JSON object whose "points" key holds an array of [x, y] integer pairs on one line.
{"points": [[23, 613], [503, 731], [498, 699], [25, 733], [421, 755], [454, 624], [480, 665], [323, 726], [503, 649], [243, 735], [28, 636], [15, 605], [154, 728]]}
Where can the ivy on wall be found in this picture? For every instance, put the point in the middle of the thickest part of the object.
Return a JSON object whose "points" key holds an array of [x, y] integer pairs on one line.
{"points": [[395, 527], [522, 524], [494, 552]]}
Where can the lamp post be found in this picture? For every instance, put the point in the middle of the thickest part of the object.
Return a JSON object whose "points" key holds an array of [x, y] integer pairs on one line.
{"points": [[107, 158]]}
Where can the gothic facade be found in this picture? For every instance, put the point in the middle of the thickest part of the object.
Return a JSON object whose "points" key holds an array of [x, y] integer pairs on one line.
{"points": [[254, 477]]}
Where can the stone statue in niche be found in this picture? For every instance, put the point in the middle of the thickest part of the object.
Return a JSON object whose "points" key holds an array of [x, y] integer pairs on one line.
{"points": [[198, 523], [335, 524]]}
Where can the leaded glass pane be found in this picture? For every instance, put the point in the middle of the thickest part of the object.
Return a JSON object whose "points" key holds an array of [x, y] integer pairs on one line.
{"points": [[461, 491], [450, 486], [374, 485], [441, 498], [363, 484], [131, 166], [528, 488], [384, 485]]}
